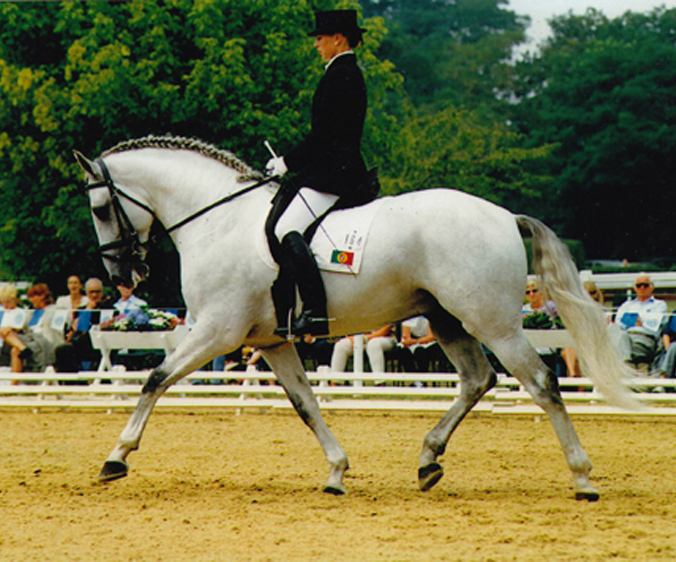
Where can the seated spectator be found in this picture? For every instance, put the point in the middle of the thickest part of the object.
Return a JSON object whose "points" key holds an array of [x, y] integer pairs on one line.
{"points": [[418, 346], [74, 299], [536, 309], [318, 351], [377, 343], [594, 292], [33, 348], [640, 321], [77, 352], [667, 365], [128, 300], [536, 300], [9, 300]]}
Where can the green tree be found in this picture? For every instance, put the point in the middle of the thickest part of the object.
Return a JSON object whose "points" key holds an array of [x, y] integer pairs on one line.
{"points": [[450, 51], [603, 91], [229, 72], [456, 149]]}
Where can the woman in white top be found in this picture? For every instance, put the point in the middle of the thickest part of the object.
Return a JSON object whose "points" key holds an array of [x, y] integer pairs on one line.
{"points": [[74, 299]]}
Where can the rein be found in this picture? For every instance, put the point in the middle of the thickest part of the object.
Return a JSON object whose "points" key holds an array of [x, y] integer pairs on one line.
{"points": [[130, 239]]}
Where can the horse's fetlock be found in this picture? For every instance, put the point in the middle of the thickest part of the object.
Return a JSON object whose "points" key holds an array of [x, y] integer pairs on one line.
{"points": [[156, 378], [435, 446]]}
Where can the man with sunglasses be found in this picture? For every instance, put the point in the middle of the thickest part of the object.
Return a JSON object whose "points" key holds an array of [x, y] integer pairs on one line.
{"points": [[641, 320]]}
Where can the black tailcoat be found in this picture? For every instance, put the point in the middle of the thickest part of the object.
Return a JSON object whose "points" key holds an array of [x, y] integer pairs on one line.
{"points": [[329, 158]]}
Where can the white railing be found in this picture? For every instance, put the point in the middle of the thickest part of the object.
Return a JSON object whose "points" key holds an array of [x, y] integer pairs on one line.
{"points": [[618, 281], [335, 391]]}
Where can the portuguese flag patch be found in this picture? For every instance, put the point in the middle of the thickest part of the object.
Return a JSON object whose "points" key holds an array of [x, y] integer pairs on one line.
{"points": [[342, 257]]}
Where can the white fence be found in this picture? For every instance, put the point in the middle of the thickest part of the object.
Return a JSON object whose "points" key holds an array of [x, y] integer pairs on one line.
{"points": [[335, 391]]}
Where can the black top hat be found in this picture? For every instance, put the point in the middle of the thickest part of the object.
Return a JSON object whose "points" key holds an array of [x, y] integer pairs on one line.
{"points": [[336, 21]]}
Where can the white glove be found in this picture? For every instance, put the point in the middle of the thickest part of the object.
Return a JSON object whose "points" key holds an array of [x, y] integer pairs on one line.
{"points": [[276, 167]]}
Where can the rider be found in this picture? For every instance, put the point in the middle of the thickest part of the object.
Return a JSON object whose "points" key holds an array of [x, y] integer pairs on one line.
{"points": [[327, 163]]}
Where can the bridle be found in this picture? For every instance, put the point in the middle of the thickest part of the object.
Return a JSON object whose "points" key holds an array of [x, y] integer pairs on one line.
{"points": [[133, 250]]}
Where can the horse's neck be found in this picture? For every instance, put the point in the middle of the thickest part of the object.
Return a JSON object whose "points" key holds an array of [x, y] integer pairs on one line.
{"points": [[179, 184]]}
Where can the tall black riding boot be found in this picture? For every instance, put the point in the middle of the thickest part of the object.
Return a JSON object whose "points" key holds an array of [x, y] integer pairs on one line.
{"points": [[313, 320]]}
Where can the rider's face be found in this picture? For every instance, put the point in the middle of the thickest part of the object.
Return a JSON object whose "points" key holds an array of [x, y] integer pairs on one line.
{"points": [[328, 45]]}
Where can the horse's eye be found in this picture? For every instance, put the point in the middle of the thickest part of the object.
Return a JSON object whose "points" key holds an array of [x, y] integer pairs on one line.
{"points": [[102, 213]]}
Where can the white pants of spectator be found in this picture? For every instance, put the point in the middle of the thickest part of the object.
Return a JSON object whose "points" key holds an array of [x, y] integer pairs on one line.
{"points": [[375, 349]]}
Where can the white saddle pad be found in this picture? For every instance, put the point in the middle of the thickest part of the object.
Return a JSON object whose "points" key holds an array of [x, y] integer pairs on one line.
{"points": [[338, 244]]}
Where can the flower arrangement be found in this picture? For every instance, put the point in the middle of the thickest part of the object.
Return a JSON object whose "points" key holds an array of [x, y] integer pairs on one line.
{"points": [[541, 321], [141, 320]]}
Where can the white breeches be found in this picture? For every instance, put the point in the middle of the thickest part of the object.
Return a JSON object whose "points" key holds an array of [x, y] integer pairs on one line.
{"points": [[375, 349], [304, 208]]}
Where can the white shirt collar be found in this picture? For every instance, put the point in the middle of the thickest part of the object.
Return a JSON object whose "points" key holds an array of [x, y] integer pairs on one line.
{"points": [[348, 52]]}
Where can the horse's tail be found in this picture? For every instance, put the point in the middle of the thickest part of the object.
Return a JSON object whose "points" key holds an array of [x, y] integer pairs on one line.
{"points": [[584, 318]]}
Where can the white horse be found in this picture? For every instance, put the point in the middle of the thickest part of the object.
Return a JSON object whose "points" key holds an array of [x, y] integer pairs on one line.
{"points": [[456, 259]]}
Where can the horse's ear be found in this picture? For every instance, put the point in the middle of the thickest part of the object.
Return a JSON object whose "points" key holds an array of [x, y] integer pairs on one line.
{"points": [[86, 164]]}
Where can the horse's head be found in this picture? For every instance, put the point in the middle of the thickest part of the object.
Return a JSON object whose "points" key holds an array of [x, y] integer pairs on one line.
{"points": [[122, 222]]}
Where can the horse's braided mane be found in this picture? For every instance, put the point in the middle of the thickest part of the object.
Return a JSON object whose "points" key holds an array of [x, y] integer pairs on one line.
{"points": [[196, 145]]}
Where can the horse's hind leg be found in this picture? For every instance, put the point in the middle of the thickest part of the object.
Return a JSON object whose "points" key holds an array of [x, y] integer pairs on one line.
{"points": [[476, 378], [523, 362], [288, 369]]}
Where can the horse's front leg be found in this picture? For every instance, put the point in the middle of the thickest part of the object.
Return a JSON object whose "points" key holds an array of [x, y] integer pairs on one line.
{"points": [[193, 352], [116, 465], [288, 369]]}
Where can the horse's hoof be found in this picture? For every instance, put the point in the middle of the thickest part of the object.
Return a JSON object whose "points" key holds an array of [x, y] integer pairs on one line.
{"points": [[112, 470], [429, 475], [590, 496], [334, 491]]}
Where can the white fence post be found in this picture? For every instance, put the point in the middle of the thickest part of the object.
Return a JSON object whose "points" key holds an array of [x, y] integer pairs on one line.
{"points": [[358, 357]]}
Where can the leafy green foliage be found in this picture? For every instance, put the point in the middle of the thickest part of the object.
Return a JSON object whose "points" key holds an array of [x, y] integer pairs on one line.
{"points": [[450, 52], [456, 149], [229, 72], [603, 92]]}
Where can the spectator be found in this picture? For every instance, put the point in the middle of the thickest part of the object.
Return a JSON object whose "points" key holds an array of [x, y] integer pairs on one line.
{"points": [[536, 300], [95, 296], [418, 346], [377, 344], [640, 321], [8, 297], [667, 366], [33, 348], [8, 301], [318, 351], [537, 308], [128, 300], [594, 292], [74, 299], [77, 351]]}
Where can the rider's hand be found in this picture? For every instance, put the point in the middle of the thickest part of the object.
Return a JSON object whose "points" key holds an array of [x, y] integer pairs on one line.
{"points": [[276, 167]]}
